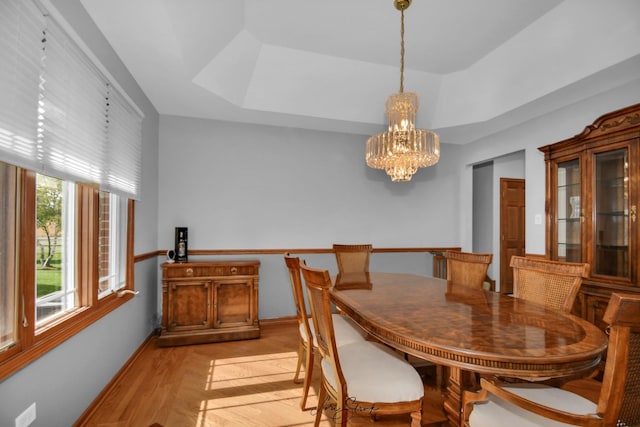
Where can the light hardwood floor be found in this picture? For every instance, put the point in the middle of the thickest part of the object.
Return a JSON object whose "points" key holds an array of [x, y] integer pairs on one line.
{"points": [[240, 383]]}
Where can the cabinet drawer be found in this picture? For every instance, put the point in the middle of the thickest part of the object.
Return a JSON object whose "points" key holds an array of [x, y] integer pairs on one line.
{"points": [[210, 270]]}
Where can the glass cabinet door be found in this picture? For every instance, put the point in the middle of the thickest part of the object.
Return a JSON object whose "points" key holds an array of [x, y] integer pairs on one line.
{"points": [[611, 216], [569, 212]]}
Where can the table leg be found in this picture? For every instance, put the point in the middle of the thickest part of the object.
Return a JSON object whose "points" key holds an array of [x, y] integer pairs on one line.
{"points": [[459, 380], [453, 401]]}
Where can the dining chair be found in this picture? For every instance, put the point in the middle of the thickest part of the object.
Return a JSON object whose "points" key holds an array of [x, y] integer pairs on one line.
{"points": [[360, 378], [467, 268], [352, 258], [346, 330], [524, 405], [554, 284]]}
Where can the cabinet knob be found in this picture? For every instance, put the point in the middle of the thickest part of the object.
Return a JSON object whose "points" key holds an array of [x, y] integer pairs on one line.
{"points": [[234, 270], [189, 271]]}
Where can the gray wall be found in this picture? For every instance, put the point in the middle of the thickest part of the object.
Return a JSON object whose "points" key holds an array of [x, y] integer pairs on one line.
{"points": [[247, 186], [251, 186], [483, 208]]}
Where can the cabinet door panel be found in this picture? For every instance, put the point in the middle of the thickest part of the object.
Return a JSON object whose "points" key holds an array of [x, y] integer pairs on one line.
{"points": [[189, 307], [233, 303], [569, 212], [611, 214]]}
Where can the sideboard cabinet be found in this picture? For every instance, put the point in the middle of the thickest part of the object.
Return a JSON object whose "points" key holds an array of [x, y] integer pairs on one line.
{"points": [[209, 302], [592, 190]]}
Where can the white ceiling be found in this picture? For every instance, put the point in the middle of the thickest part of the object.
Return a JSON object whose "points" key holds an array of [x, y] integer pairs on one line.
{"points": [[477, 65]]}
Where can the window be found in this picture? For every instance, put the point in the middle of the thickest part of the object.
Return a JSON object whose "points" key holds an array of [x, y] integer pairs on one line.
{"points": [[66, 233], [112, 216], [74, 254], [55, 248]]}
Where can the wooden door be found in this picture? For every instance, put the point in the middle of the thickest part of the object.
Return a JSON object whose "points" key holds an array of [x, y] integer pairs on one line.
{"points": [[511, 228]]}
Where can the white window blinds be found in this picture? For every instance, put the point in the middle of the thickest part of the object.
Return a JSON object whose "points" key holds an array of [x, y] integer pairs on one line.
{"points": [[82, 129], [123, 174], [72, 134], [21, 28]]}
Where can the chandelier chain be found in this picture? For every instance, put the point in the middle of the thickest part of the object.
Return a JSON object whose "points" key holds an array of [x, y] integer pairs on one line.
{"points": [[402, 51]]}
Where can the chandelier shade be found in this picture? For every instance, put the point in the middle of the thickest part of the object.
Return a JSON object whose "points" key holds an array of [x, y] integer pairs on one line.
{"points": [[402, 149]]}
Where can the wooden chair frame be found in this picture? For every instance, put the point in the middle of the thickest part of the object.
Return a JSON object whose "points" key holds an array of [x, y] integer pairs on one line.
{"points": [[318, 283], [555, 284], [346, 330], [305, 347], [468, 268], [353, 258]]}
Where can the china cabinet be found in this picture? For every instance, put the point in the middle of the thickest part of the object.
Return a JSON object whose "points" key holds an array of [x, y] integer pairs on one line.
{"points": [[209, 302], [592, 189]]}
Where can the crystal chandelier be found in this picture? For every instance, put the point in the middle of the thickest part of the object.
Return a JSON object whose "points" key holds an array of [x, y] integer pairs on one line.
{"points": [[402, 149]]}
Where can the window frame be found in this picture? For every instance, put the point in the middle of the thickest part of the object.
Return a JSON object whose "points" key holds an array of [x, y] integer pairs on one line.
{"points": [[34, 342]]}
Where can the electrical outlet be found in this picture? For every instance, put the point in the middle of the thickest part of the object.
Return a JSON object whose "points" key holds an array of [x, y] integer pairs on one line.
{"points": [[27, 416]]}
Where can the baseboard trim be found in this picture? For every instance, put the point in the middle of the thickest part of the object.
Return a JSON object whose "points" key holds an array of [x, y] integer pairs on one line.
{"points": [[114, 381], [278, 321]]}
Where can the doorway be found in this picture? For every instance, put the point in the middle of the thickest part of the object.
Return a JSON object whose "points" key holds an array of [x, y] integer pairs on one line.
{"points": [[512, 228]]}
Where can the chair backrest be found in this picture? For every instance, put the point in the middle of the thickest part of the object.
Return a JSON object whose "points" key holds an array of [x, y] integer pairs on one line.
{"points": [[554, 284], [620, 393], [467, 268], [318, 283], [293, 264], [352, 258]]}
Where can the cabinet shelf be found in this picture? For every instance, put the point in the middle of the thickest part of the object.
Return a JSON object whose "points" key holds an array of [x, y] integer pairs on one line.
{"points": [[575, 186], [613, 213], [613, 247]]}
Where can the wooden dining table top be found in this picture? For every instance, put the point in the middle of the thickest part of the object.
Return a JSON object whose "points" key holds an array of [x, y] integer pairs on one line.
{"points": [[471, 329]]}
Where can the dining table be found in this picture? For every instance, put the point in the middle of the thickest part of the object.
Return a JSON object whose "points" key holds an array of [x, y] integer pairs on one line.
{"points": [[469, 330]]}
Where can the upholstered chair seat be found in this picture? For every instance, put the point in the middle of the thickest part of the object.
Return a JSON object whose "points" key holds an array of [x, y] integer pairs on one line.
{"points": [[500, 413], [375, 373]]}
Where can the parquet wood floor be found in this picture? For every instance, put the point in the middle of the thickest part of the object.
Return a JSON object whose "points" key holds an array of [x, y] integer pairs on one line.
{"points": [[240, 383]]}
